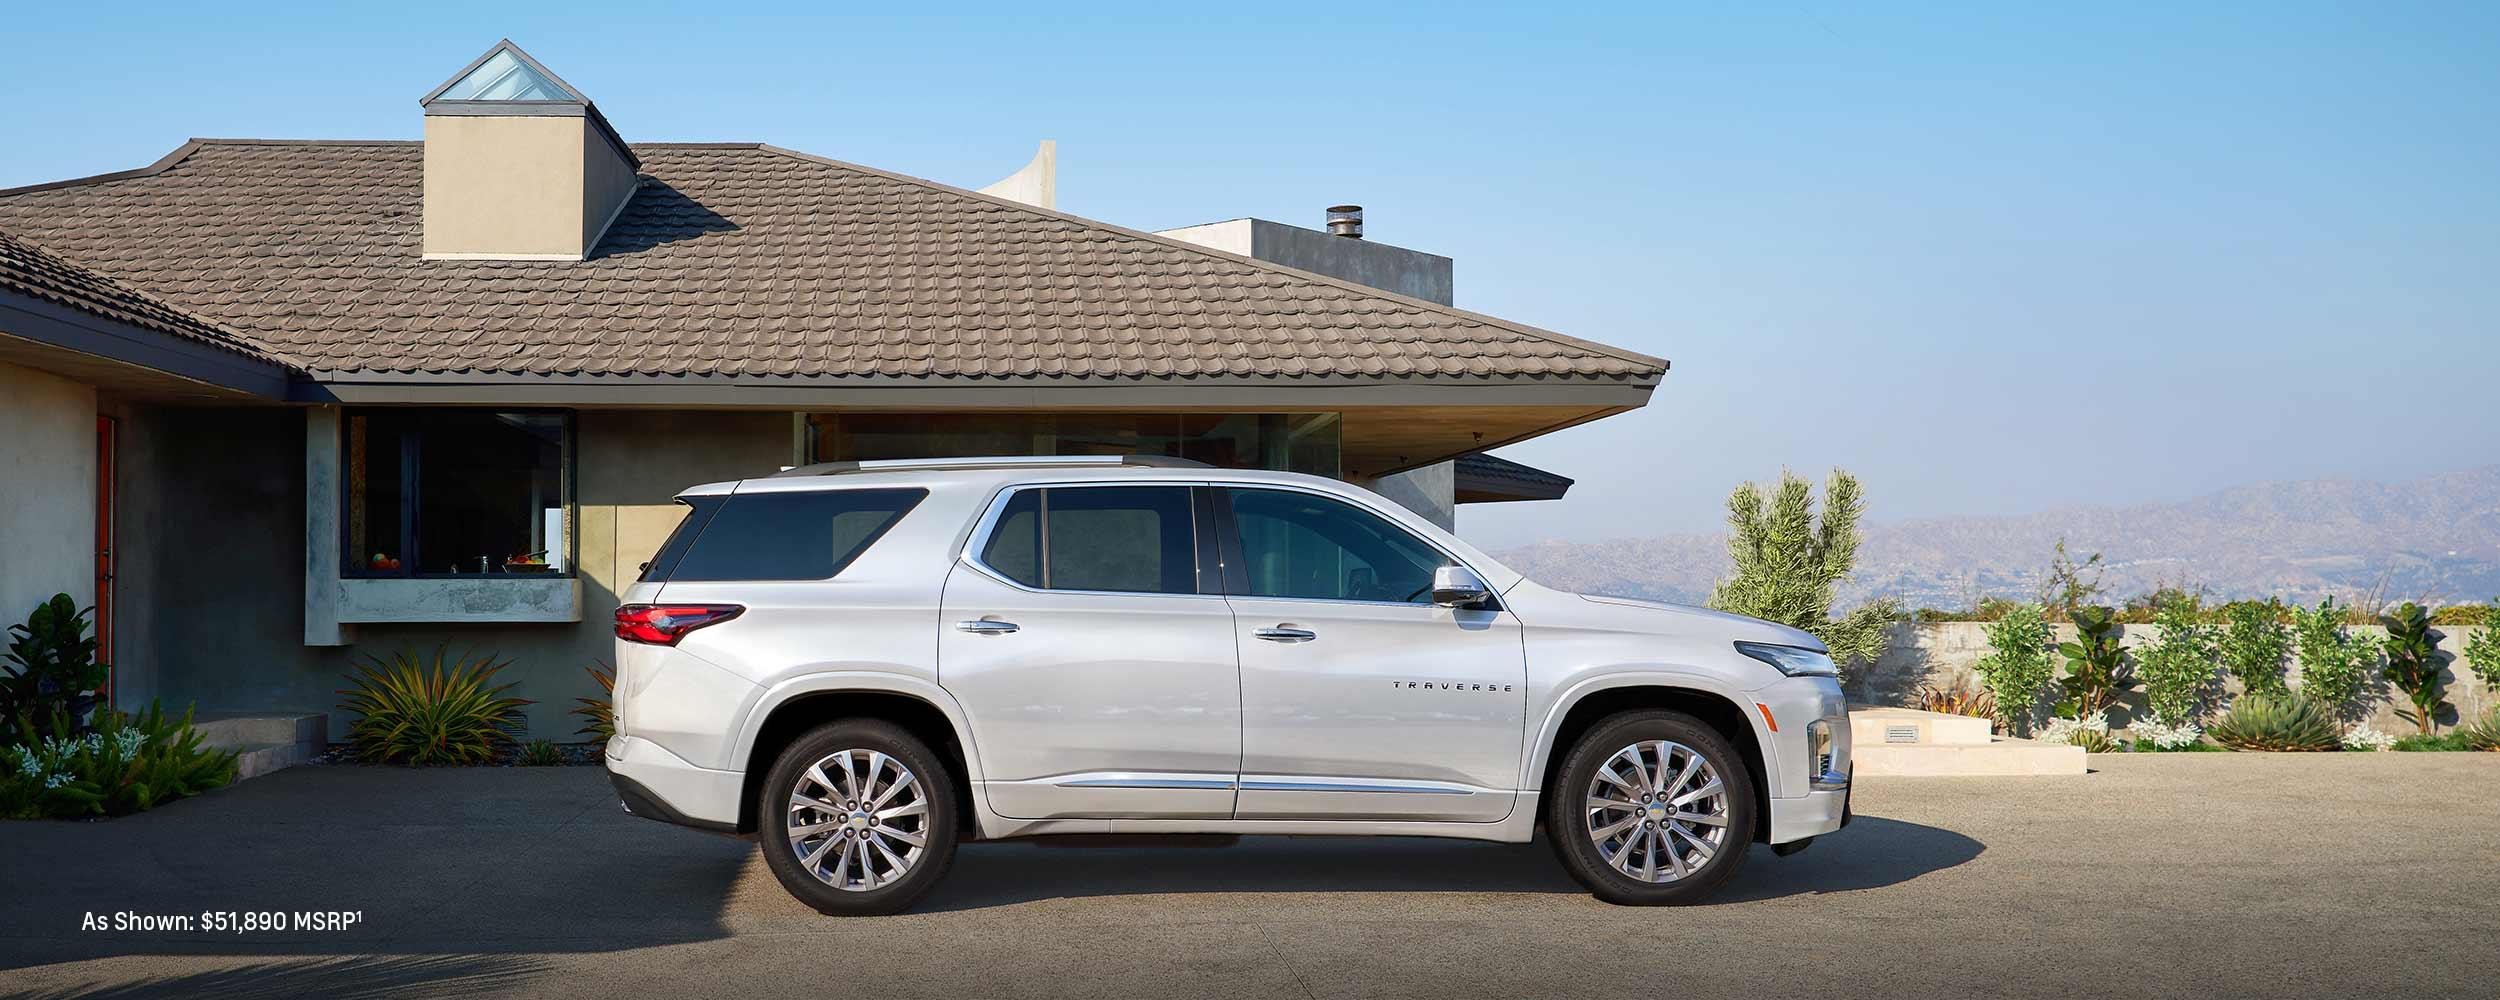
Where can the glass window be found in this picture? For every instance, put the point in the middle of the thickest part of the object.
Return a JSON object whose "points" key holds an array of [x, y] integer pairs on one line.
{"points": [[1133, 539], [791, 536], [504, 77], [456, 491], [681, 538], [1308, 546]]}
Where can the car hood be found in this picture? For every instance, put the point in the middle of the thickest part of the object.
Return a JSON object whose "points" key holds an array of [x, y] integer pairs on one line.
{"points": [[1632, 613]]}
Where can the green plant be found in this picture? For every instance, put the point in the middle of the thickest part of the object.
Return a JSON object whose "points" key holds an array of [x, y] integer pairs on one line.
{"points": [[2254, 643], [2428, 743], [2066, 590], [446, 712], [2262, 722], [2017, 665], [51, 669], [600, 711], [1958, 698], [1786, 563], [2482, 653], [2096, 668], [2414, 664], [539, 753], [2179, 668], [2483, 734], [124, 765], [2335, 664]]}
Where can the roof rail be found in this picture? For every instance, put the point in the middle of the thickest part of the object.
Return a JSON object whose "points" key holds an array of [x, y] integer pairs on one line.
{"points": [[994, 462]]}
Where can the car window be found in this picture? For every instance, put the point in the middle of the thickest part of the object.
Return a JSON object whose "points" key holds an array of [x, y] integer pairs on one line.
{"points": [[1137, 539], [1308, 546], [791, 536]]}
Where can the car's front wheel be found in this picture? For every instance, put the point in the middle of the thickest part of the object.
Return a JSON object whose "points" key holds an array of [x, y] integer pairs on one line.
{"points": [[1651, 808], [857, 818]]}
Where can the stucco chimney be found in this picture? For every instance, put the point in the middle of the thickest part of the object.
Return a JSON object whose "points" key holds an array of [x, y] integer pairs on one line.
{"points": [[518, 164]]}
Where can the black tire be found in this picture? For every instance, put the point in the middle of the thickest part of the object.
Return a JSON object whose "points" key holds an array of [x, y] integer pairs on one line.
{"points": [[937, 827], [1567, 814]]}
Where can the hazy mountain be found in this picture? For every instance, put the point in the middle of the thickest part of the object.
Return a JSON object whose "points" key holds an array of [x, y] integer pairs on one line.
{"points": [[2437, 537]]}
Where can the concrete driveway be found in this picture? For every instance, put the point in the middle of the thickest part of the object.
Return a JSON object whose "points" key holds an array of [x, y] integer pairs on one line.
{"points": [[2210, 875]]}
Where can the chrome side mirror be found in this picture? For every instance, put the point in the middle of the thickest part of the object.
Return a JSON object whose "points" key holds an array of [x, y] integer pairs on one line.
{"points": [[1458, 587]]}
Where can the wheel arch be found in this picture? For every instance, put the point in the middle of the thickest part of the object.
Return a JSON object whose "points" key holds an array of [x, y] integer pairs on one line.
{"points": [[1583, 708], [789, 712]]}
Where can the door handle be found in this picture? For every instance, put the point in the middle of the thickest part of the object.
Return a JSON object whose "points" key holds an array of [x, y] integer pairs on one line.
{"points": [[1284, 634], [985, 626]]}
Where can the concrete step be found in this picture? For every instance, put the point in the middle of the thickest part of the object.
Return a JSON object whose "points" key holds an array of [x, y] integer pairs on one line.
{"points": [[264, 742], [1894, 726], [1999, 757]]}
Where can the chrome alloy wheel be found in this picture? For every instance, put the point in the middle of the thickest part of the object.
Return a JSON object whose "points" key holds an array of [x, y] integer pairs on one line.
{"points": [[858, 820], [1657, 811]]}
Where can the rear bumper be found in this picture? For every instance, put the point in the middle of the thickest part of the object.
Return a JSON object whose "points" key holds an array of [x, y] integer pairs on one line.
{"points": [[656, 784]]}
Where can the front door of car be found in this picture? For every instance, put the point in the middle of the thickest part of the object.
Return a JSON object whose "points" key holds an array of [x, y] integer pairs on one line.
{"points": [[1362, 699], [1092, 658]]}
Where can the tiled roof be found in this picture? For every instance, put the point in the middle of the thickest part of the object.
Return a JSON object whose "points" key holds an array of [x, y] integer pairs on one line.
{"points": [[28, 270], [1492, 474], [746, 261]]}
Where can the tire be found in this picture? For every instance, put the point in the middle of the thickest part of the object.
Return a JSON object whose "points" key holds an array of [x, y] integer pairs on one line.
{"points": [[1619, 871], [852, 846]]}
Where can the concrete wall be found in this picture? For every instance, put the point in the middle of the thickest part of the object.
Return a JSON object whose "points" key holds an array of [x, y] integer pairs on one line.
{"points": [[226, 494], [1942, 652], [1412, 273], [47, 490], [1430, 491]]}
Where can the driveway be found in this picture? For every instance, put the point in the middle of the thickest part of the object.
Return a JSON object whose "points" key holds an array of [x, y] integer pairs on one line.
{"points": [[2205, 875]]}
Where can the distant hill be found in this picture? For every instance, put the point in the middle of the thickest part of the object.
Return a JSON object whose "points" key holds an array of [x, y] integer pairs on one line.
{"points": [[2437, 537]]}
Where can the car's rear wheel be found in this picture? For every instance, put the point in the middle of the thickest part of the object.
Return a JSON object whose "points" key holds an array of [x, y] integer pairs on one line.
{"points": [[858, 818], [1652, 808]]}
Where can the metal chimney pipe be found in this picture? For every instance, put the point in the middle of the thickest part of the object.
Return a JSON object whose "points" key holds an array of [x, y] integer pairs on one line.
{"points": [[1346, 221]]}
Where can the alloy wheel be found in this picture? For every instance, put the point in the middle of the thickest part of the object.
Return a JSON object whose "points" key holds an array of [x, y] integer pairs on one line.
{"points": [[1657, 811], [858, 820]]}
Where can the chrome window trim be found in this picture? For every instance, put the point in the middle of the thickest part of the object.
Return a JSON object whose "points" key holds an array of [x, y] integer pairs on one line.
{"points": [[979, 540]]}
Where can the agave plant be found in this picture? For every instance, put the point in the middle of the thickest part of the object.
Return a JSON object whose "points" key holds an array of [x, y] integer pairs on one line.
{"points": [[601, 711], [424, 713], [2096, 668], [2414, 664], [1958, 698], [2277, 722], [2483, 735]]}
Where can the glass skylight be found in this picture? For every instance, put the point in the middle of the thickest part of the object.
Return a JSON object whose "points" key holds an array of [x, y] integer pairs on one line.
{"points": [[504, 77]]}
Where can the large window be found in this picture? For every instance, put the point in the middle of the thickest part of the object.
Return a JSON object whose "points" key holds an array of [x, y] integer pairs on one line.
{"points": [[1303, 545], [1136, 539], [1290, 442], [443, 492]]}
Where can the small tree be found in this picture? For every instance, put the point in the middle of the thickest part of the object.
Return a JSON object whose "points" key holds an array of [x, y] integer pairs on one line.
{"points": [[2096, 667], [2067, 588], [2335, 665], [2017, 665], [51, 669], [2482, 650], [2179, 667], [2254, 643], [1786, 564], [2414, 664]]}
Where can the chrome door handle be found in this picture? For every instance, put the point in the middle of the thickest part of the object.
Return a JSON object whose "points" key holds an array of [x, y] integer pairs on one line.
{"points": [[1281, 634], [985, 626]]}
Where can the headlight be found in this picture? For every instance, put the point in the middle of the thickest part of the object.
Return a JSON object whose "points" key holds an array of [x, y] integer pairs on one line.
{"points": [[1795, 661]]}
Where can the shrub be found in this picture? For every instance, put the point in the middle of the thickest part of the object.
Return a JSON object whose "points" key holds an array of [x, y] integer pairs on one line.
{"points": [[51, 670], [2259, 722], [2254, 642], [2091, 733], [2179, 668], [448, 712], [539, 753], [2148, 733], [2414, 664], [2335, 665], [126, 764], [2096, 668], [601, 711], [2482, 654], [2427, 743], [2363, 736], [2468, 614], [2017, 665], [2484, 734], [1786, 563], [1959, 698]]}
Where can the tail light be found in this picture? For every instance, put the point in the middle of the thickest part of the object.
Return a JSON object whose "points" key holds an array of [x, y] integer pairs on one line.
{"points": [[664, 624]]}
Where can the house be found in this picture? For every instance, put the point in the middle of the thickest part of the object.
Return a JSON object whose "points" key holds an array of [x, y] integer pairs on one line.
{"points": [[274, 404]]}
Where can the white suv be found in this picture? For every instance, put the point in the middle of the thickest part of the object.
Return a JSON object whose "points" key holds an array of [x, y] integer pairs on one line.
{"points": [[863, 664]]}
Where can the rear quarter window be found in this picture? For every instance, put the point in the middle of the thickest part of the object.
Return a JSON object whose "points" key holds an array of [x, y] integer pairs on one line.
{"points": [[786, 536]]}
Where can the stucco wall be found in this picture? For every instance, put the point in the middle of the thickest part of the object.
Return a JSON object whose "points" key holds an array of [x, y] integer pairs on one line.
{"points": [[47, 490], [227, 585], [1941, 652]]}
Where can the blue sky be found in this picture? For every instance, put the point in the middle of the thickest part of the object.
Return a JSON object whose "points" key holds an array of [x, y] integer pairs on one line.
{"points": [[1992, 258]]}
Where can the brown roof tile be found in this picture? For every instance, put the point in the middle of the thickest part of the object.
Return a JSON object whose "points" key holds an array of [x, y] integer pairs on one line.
{"points": [[744, 260], [31, 271]]}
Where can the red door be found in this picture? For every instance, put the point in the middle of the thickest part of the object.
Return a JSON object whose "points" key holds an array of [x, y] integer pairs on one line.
{"points": [[104, 548]]}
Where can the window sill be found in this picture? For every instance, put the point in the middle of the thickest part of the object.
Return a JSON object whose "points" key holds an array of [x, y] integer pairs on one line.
{"points": [[481, 598]]}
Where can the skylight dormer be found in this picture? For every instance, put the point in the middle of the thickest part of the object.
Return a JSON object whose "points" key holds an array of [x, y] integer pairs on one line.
{"points": [[505, 74], [519, 165]]}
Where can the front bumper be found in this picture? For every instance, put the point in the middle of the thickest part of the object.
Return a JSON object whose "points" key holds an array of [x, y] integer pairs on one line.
{"points": [[1810, 815]]}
